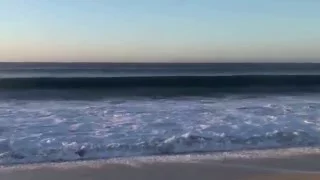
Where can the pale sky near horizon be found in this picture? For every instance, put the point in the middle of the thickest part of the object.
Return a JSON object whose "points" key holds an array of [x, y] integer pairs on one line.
{"points": [[160, 30]]}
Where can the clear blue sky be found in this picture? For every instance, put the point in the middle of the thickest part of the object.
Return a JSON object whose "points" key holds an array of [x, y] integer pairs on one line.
{"points": [[160, 30]]}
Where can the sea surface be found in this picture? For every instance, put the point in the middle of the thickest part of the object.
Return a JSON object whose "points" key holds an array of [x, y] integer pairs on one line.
{"points": [[79, 111]]}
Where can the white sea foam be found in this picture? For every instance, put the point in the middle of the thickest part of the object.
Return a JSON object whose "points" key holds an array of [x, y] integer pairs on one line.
{"points": [[63, 130]]}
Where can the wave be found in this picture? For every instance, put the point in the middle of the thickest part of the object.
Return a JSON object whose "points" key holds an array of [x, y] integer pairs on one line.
{"points": [[216, 82]]}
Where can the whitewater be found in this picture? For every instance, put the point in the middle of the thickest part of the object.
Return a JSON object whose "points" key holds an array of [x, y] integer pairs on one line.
{"points": [[63, 130]]}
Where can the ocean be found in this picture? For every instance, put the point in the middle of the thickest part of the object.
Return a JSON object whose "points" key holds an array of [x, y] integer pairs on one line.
{"points": [[57, 112]]}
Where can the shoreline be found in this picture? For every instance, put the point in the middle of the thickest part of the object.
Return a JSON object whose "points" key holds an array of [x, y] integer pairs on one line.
{"points": [[237, 155], [286, 164]]}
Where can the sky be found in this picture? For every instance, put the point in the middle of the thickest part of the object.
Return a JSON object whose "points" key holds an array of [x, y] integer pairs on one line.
{"points": [[160, 30]]}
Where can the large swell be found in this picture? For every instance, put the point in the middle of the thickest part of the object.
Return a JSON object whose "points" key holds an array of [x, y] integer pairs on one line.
{"points": [[62, 130], [218, 82], [218, 77]]}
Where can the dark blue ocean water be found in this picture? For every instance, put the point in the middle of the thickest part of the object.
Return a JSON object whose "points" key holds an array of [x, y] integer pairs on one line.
{"points": [[62, 112], [151, 69]]}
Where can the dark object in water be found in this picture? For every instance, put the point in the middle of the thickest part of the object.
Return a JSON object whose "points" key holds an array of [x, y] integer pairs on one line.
{"points": [[81, 152]]}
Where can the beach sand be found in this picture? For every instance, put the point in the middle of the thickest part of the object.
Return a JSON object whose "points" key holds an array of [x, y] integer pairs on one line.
{"points": [[289, 168]]}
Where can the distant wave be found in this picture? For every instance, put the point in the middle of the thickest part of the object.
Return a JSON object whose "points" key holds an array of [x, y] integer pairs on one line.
{"points": [[217, 82]]}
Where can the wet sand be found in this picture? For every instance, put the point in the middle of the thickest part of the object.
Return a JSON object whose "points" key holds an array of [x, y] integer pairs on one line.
{"points": [[289, 168]]}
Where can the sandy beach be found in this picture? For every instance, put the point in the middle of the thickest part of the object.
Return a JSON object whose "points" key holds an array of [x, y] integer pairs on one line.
{"points": [[288, 168]]}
